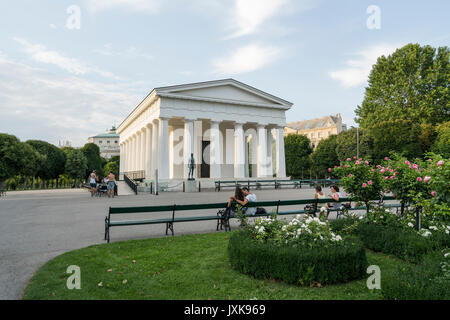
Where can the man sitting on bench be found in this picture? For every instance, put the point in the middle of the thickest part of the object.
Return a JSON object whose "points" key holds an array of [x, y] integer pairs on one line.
{"points": [[249, 197]]}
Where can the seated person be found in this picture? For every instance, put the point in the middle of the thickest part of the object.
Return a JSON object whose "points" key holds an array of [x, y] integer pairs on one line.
{"points": [[249, 197], [335, 195], [318, 195], [231, 204]]}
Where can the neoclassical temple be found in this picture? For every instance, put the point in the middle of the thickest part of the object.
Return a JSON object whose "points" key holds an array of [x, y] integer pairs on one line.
{"points": [[233, 130]]}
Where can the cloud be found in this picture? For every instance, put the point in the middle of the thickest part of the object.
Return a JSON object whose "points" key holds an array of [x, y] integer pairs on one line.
{"points": [[246, 59], [129, 53], [140, 6], [37, 104], [40, 53], [248, 15], [357, 71]]}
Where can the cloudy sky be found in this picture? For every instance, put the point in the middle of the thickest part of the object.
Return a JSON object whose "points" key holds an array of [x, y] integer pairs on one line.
{"points": [[64, 78]]}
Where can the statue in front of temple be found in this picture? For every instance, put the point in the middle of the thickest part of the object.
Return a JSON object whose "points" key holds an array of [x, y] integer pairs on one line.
{"points": [[191, 167]]}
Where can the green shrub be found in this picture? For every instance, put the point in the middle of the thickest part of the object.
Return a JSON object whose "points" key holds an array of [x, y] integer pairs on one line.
{"points": [[346, 225], [337, 263], [428, 280], [404, 243]]}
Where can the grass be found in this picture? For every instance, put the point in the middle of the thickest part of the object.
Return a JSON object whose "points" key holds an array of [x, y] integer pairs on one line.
{"points": [[184, 267]]}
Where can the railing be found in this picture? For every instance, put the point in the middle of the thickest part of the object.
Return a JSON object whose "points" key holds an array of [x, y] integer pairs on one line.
{"points": [[277, 183], [131, 183], [135, 175]]}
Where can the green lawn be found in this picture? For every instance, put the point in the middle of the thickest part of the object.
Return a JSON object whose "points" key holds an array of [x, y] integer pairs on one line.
{"points": [[185, 267]]}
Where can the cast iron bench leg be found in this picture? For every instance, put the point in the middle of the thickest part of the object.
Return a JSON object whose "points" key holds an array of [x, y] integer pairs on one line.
{"points": [[169, 226]]}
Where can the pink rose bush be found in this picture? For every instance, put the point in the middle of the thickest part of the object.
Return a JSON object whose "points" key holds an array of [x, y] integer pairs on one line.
{"points": [[360, 180]]}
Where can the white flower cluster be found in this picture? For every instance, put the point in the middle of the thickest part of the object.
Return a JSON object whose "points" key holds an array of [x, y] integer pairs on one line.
{"points": [[263, 225], [438, 227], [311, 228], [307, 230]]}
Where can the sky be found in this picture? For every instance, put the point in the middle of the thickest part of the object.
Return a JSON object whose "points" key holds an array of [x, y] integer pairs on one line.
{"points": [[72, 69]]}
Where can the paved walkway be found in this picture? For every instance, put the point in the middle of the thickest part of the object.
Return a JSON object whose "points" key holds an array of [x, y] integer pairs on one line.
{"points": [[38, 226]]}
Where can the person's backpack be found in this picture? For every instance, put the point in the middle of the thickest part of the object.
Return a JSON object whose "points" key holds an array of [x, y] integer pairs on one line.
{"points": [[261, 211]]}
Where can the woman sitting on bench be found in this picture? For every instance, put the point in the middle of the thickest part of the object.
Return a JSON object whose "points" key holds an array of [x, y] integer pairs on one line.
{"points": [[233, 201], [335, 195]]}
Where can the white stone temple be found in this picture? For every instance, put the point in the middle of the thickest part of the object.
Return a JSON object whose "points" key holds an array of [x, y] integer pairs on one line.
{"points": [[233, 130]]}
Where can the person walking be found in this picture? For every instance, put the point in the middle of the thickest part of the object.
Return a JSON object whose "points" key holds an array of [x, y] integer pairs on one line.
{"points": [[93, 182], [111, 184]]}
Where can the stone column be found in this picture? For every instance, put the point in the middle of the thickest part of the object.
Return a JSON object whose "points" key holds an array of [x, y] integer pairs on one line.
{"points": [[262, 152], [133, 153], [143, 149], [138, 151], [163, 148], [239, 151], [188, 145], [216, 151], [148, 152], [155, 147], [128, 165], [269, 153], [281, 164], [122, 158]]}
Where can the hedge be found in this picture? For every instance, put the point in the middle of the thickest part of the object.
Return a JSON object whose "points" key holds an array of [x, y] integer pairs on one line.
{"points": [[403, 243], [294, 265], [425, 281]]}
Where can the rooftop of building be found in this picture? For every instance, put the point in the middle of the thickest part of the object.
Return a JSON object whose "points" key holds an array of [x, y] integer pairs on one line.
{"points": [[317, 123], [111, 133]]}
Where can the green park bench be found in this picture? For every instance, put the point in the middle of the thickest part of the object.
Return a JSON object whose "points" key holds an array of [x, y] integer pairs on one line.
{"points": [[222, 220], [223, 184]]}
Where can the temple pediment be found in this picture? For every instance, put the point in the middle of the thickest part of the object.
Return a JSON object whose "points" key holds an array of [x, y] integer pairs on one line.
{"points": [[226, 91]]}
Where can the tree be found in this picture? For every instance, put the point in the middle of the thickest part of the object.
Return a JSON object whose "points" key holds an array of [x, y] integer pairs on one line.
{"points": [[410, 84], [347, 144], [11, 157], [401, 136], [442, 143], [55, 160], [297, 150], [76, 164], [33, 161], [112, 166], [324, 156], [94, 162]]}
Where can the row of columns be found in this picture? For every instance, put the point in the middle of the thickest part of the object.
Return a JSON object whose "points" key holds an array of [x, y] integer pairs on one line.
{"points": [[148, 149]]}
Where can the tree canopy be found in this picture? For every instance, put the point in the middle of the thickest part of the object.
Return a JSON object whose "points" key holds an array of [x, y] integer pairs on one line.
{"points": [[324, 156], [94, 162], [297, 151], [55, 161], [411, 84], [442, 143], [76, 164], [11, 156], [346, 144]]}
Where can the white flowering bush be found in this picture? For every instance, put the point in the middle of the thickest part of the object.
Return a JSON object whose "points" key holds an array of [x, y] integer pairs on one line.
{"points": [[301, 251], [382, 216], [266, 228], [299, 231]]}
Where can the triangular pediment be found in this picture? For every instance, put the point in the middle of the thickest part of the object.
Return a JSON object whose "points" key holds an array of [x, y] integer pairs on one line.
{"points": [[223, 91]]}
